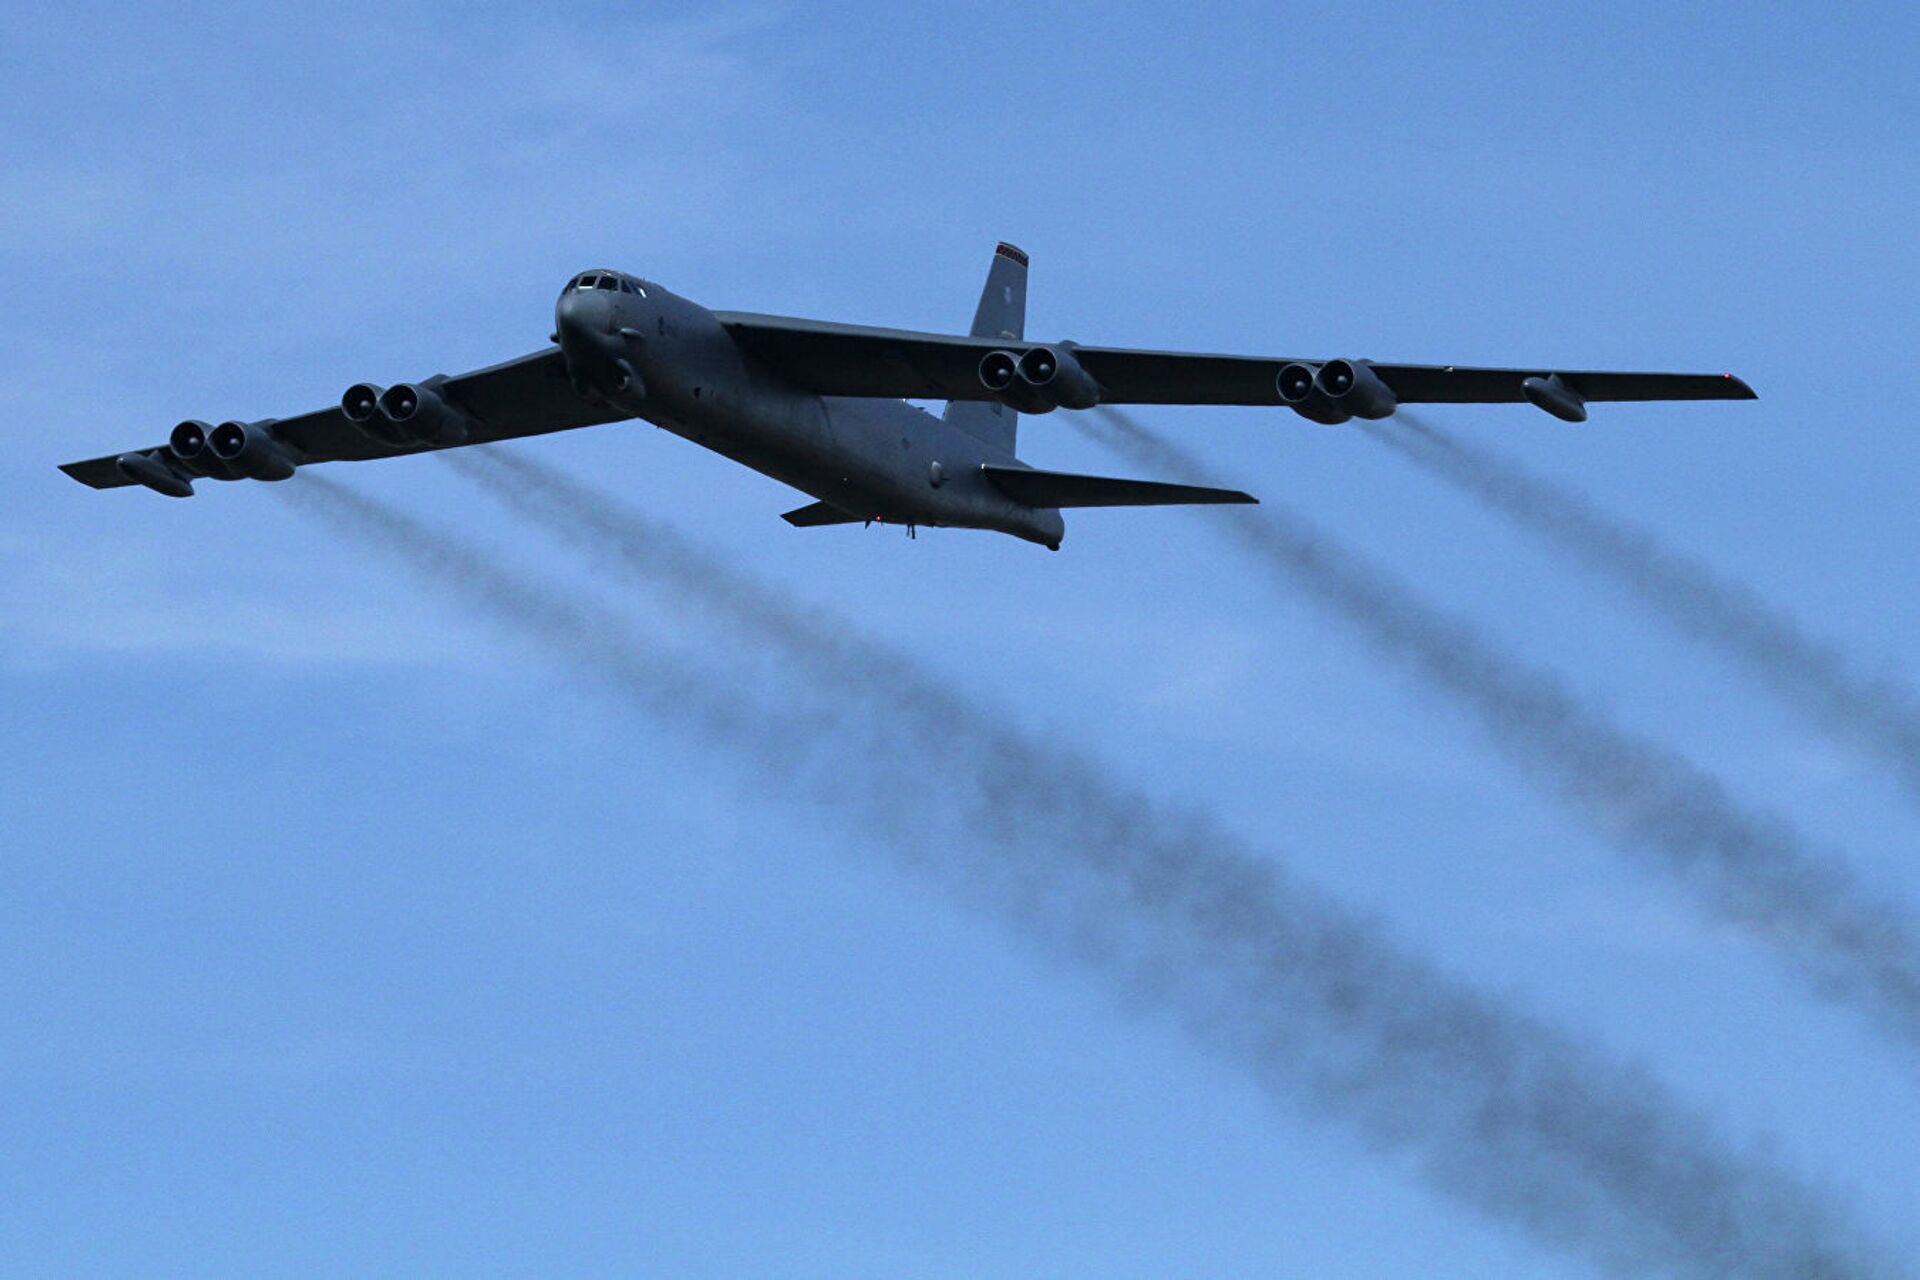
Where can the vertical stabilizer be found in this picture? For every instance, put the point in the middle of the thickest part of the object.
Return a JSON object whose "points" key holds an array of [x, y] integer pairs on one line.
{"points": [[1002, 314]]}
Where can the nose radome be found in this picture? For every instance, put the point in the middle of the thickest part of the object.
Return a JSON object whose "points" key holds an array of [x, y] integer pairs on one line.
{"points": [[584, 312]]}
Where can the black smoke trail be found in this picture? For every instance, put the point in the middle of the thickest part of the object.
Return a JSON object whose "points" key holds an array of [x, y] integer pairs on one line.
{"points": [[1752, 869], [1880, 714], [1511, 1116]]}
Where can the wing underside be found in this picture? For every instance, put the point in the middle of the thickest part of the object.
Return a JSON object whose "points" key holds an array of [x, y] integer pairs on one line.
{"points": [[530, 395], [853, 360]]}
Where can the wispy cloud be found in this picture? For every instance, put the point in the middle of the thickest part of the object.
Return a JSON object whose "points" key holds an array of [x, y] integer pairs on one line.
{"points": [[80, 602], [444, 138]]}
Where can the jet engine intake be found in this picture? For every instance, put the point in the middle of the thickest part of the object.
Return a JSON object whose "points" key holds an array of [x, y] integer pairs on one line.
{"points": [[251, 449], [361, 403], [415, 413], [1353, 388], [998, 370], [361, 406], [1058, 378], [189, 440], [1000, 374], [1299, 388]]}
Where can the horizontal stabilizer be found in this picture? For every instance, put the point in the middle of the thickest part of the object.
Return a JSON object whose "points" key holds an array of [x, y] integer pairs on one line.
{"points": [[1064, 489], [820, 513]]}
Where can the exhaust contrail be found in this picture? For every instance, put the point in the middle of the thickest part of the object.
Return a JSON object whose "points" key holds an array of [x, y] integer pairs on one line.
{"points": [[1880, 714], [1752, 869], [659, 681], [1504, 1113]]}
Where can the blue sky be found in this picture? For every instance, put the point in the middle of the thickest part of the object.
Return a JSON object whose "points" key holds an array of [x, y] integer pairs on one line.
{"points": [[342, 936]]}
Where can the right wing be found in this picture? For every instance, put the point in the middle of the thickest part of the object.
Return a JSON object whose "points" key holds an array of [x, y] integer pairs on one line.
{"points": [[857, 360], [530, 395]]}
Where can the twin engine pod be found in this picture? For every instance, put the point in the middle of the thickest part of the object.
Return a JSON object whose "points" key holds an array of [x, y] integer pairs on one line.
{"points": [[407, 416], [1336, 391], [1040, 381], [231, 451]]}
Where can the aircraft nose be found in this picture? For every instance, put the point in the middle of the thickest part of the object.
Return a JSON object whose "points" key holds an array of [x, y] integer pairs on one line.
{"points": [[583, 314]]}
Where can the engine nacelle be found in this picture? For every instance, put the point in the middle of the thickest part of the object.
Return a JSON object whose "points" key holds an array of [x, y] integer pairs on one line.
{"points": [[998, 369], [361, 403], [188, 441], [1000, 374], [1352, 387], [361, 406], [251, 449], [1299, 388], [415, 413], [1058, 379], [1039, 381]]}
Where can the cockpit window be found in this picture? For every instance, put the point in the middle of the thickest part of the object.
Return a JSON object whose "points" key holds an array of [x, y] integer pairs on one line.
{"points": [[604, 280]]}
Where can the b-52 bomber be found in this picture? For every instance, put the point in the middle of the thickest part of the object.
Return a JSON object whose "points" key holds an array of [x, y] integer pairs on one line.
{"points": [[824, 406]]}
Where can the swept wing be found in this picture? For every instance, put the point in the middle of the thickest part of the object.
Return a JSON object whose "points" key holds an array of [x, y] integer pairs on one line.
{"points": [[526, 396], [857, 360]]}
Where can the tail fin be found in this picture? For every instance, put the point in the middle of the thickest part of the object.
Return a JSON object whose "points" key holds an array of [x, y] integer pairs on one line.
{"points": [[1002, 314]]}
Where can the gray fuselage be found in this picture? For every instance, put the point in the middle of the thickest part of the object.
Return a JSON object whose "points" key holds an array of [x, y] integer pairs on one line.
{"points": [[671, 362]]}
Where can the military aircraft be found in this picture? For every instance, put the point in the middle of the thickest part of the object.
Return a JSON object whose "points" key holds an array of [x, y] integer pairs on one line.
{"points": [[823, 406]]}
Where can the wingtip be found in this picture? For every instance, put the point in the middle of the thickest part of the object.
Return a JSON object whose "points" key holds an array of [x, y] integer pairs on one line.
{"points": [[82, 473], [1741, 389]]}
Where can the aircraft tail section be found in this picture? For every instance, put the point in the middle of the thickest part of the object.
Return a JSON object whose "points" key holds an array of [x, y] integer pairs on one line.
{"points": [[1002, 314]]}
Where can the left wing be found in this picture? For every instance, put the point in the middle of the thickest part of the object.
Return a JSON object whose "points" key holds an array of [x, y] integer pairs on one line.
{"points": [[530, 395], [855, 360]]}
